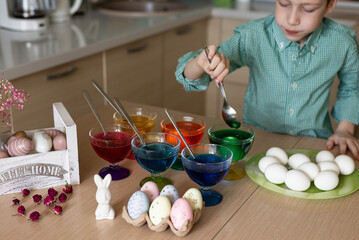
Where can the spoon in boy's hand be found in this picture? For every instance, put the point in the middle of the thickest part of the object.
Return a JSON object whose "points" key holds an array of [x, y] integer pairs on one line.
{"points": [[229, 115]]}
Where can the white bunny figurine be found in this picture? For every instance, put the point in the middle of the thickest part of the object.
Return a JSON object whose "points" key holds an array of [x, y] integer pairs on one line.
{"points": [[103, 197]]}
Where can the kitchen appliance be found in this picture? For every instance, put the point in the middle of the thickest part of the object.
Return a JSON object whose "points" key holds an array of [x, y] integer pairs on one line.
{"points": [[25, 15], [64, 10]]}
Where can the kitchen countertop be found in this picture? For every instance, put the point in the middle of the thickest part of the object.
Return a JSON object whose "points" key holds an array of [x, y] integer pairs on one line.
{"points": [[23, 53], [247, 210]]}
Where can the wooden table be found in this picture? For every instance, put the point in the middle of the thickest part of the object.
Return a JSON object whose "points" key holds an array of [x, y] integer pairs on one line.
{"points": [[247, 211]]}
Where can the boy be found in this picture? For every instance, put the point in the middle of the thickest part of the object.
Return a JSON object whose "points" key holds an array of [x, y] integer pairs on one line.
{"points": [[293, 57]]}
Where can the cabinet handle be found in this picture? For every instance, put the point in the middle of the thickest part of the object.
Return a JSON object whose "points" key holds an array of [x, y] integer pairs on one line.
{"points": [[184, 30], [137, 49], [61, 75]]}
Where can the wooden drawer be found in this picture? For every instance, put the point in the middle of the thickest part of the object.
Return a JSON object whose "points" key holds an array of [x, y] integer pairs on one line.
{"points": [[178, 42], [58, 84], [134, 71]]}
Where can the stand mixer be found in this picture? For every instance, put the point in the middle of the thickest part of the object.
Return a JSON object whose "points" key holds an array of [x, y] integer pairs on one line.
{"points": [[25, 15]]}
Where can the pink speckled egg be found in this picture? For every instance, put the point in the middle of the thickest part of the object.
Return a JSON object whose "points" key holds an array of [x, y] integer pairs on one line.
{"points": [[19, 147], [59, 142], [181, 212], [53, 133], [4, 154], [151, 189]]}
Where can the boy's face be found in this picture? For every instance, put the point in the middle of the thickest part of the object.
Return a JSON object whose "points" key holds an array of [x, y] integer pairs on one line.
{"points": [[299, 18]]}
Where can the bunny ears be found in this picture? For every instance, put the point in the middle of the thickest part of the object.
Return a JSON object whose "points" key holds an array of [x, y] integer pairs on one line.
{"points": [[105, 183]]}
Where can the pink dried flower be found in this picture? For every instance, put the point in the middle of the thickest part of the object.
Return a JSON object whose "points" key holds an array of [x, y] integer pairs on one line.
{"points": [[25, 192], [62, 197], [9, 96], [15, 201], [48, 201], [52, 192], [57, 209], [34, 216], [37, 198], [21, 210], [67, 188]]}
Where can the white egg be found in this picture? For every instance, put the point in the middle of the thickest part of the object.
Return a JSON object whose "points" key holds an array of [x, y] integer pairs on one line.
{"points": [[324, 156], [346, 164], [297, 159], [41, 142], [309, 168], [326, 180], [329, 166], [266, 161], [275, 173], [278, 153], [297, 180]]}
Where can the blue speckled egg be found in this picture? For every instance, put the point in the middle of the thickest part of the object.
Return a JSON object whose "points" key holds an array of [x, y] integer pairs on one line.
{"points": [[138, 204], [170, 192]]}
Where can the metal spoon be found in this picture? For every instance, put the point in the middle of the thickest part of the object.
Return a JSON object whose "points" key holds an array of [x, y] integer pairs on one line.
{"points": [[93, 108], [229, 115], [179, 132], [119, 109]]}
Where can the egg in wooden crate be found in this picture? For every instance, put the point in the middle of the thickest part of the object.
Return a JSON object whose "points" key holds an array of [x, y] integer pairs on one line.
{"points": [[19, 146]]}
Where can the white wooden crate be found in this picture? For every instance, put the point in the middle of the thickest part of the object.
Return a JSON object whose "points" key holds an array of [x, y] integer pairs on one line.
{"points": [[42, 170]]}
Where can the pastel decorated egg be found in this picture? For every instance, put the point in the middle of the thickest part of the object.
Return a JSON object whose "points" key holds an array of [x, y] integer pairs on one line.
{"points": [[194, 197], [10, 139], [181, 212], [170, 192], [138, 204], [151, 189], [160, 209], [42, 142], [20, 134], [19, 147], [59, 142], [53, 133], [4, 154]]}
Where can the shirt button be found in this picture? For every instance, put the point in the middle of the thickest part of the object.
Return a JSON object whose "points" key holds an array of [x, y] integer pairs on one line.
{"points": [[294, 86], [294, 57], [281, 44], [291, 111]]}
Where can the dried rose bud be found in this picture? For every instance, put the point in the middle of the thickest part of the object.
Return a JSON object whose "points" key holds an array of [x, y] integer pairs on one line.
{"points": [[16, 201], [52, 192], [34, 216], [49, 200], [62, 197], [57, 209], [21, 210], [25, 192], [37, 198], [67, 188]]}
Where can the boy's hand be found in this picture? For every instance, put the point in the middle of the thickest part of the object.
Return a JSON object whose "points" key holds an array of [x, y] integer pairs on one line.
{"points": [[219, 66], [345, 140]]}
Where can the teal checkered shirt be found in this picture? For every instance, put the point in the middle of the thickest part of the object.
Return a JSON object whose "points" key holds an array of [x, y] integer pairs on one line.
{"points": [[288, 89]]}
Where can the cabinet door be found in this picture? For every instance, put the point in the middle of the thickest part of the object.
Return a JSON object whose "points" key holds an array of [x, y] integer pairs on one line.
{"points": [[134, 71], [58, 84], [178, 42]]}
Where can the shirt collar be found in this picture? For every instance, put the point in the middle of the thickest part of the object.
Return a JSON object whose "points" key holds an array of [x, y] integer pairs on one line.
{"points": [[283, 42]]}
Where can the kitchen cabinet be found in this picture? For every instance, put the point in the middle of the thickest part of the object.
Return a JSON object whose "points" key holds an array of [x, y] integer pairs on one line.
{"points": [[64, 84], [134, 71], [178, 42]]}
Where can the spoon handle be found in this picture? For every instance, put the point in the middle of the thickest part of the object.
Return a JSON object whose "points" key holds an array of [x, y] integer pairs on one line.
{"points": [[128, 118], [179, 132], [116, 109], [93, 108]]}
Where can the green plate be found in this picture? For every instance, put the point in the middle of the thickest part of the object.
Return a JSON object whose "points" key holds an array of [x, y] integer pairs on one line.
{"points": [[347, 184]]}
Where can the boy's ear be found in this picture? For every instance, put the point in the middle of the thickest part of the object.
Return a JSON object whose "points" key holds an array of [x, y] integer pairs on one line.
{"points": [[332, 4]]}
